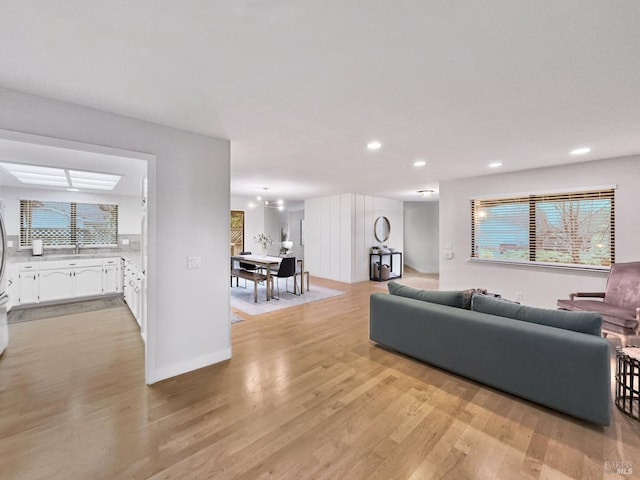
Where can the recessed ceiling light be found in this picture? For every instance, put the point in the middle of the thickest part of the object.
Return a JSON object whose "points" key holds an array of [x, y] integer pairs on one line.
{"points": [[425, 193], [580, 151], [73, 189], [374, 145], [419, 163], [495, 164]]}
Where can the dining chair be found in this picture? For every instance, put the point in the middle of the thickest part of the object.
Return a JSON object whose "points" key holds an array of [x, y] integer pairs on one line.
{"points": [[246, 266], [287, 269]]}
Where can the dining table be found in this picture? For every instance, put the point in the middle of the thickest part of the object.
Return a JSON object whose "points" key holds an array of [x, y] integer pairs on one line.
{"points": [[267, 262]]}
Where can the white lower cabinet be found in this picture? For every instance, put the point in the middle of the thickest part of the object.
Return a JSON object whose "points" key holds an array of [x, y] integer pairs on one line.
{"points": [[48, 281], [112, 279], [27, 287], [133, 291], [87, 281], [55, 285]]}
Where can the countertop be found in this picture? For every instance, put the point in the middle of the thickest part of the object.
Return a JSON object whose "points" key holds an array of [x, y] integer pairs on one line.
{"points": [[132, 256]]}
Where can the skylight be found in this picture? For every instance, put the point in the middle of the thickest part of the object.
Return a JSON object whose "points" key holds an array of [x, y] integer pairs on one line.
{"points": [[59, 177], [98, 181]]}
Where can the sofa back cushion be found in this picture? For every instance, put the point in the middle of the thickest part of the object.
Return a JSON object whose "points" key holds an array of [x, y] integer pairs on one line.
{"points": [[450, 298], [583, 322]]}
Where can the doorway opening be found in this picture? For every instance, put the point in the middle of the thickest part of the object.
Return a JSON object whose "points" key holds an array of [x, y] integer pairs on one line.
{"points": [[77, 220]]}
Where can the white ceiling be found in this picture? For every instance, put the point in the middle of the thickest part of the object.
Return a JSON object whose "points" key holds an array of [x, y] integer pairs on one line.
{"points": [[131, 170], [299, 87]]}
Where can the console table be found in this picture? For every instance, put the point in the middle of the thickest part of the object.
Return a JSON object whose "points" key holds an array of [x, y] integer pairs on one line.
{"points": [[378, 258]]}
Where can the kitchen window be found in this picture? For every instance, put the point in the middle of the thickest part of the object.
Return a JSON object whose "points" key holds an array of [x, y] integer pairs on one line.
{"points": [[569, 229], [66, 224]]}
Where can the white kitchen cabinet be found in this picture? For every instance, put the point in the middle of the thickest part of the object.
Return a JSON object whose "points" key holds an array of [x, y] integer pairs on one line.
{"points": [[12, 286], [52, 280], [112, 279], [55, 284], [27, 284], [87, 281], [133, 290]]}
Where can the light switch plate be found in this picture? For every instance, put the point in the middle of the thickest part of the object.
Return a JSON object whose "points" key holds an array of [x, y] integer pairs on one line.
{"points": [[194, 262], [9, 243]]}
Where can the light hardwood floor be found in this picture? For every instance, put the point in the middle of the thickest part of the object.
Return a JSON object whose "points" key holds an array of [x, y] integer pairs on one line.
{"points": [[306, 395]]}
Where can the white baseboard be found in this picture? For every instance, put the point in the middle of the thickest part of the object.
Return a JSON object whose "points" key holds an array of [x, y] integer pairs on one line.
{"points": [[188, 365]]}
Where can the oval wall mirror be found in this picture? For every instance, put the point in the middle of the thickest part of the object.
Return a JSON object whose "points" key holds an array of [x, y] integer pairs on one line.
{"points": [[381, 229]]}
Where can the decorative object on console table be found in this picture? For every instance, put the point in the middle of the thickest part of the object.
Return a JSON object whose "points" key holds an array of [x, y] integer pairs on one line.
{"points": [[381, 271], [264, 241]]}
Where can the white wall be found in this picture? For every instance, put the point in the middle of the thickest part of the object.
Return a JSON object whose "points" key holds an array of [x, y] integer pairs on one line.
{"points": [[339, 234], [188, 215], [129, 209], [421, 236], [540, 286], [273, 220]]}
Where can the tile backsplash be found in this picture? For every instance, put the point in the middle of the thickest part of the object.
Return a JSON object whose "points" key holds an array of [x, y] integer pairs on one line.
{"points": [[15, 253]]}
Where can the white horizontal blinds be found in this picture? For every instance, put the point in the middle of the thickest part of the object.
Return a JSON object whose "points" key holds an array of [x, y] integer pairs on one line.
{"points": [[96, 224], [575, 228], [501, 229], [66, 223], [49, 221], [567, 228]]}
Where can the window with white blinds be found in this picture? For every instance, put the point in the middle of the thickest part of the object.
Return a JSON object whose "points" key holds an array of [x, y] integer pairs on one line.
{"points": [[575, 229], [65, 224]]}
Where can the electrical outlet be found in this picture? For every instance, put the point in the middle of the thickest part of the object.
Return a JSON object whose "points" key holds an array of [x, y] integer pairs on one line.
{"points": [[194, 262], [518, 296], [125, 241], [9, 243]]}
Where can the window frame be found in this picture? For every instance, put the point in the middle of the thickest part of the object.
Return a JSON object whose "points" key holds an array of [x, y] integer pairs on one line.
{"points": [[534, 199], [73, 226]]}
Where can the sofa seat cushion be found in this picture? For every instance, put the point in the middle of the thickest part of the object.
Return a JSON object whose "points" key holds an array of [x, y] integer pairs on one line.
{"points": [[583, 322], [449, 298], [623, 317]]}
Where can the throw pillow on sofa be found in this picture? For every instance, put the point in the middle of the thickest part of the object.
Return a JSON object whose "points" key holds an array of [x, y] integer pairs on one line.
{"points": [[449, 298], [583, 322]]}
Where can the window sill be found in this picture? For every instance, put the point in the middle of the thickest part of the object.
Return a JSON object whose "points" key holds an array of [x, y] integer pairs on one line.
{"points": [[555, 266]]}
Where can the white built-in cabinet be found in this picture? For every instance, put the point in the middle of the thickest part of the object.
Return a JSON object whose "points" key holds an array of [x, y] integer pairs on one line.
{"points": [[112, 276], [55, 285], [27, 284], [49, 281], [133, 278]]}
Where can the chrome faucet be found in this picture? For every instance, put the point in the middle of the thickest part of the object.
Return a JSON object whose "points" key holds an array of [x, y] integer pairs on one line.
{"points": [[78, 245]]}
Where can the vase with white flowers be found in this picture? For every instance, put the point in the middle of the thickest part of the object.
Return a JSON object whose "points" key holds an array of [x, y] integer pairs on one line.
{"points": [[264, 241]]}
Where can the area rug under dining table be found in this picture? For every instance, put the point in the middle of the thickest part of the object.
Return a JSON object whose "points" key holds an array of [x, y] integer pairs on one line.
{"points": [[242, 298]]}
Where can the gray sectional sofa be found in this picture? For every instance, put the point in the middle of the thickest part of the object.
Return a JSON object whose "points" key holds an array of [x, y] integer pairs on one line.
{"points": [[553, 357]]}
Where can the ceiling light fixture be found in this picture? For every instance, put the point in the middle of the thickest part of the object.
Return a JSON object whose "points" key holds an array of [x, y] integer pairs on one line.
{"points": [[419, 163], [495, 164], [426, 193], [278, 204], [73, 189], [580, 151], [374, 145]]}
